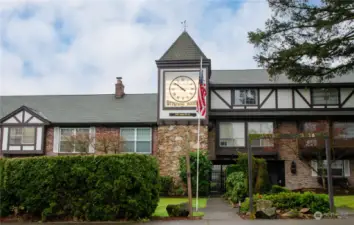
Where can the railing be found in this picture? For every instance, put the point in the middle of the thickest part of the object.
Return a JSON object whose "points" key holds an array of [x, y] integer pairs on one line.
{"points": [[319, 143]]}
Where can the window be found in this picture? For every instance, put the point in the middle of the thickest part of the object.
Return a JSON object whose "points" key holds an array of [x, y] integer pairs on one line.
{"points": [[343, 130], [74, 140], [245, 97], [136, 140], [232, 135], [22, 136], [340, 168], [261, 128], [325, 96]]}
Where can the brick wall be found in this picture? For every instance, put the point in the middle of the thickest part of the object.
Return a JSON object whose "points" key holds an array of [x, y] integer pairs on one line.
{"points": [[288, 152]]}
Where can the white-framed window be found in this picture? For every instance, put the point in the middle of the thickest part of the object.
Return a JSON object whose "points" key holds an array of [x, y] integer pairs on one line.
{"points": [[343, 130], [325, 96], [137, 140], [261, 128], [245, 97], [22, 135], [75, 140], [340, 168], [232, 134]]}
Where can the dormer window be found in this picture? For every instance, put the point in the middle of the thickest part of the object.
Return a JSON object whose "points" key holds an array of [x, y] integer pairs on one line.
{"points": [[245, 97], [325, 96]]}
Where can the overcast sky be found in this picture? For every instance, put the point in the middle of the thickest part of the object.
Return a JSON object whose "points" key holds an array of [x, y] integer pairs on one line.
{"points": [[81, 46]]}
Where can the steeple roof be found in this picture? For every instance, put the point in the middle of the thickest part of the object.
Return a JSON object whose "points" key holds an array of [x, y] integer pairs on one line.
{"points": [[184, 48]]}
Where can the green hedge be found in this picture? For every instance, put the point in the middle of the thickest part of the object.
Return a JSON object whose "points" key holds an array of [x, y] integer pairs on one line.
{"points": [[4, 198], [107, 187], [293, 200], [205, 168], [166, 185]]}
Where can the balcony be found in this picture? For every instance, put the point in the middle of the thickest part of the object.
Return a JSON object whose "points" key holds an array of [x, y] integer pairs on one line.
{"points": [[342, 147], [259, 148]]}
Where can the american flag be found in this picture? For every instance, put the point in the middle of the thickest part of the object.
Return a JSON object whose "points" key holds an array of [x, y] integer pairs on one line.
{"points": [[201, 102]]}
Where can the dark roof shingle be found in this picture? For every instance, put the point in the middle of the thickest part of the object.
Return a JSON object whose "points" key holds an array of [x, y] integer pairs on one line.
{"points": [[260, 76], [184, 48], [102, 108]]}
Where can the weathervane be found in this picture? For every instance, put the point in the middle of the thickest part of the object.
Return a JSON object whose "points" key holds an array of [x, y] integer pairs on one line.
{"points": [[184, 25]]}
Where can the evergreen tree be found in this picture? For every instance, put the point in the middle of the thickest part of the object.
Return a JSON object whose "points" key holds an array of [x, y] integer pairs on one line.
{"points": [[307, 41]]}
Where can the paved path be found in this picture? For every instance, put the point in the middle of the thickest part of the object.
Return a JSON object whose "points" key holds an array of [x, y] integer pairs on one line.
{"points": [[218, 209]]}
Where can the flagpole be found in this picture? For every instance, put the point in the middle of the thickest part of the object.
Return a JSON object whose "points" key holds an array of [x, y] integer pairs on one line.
{"points": [[198, 140]]}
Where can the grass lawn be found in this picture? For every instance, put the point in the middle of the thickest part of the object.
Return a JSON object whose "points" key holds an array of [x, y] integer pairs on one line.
{"points": [[344, 201], [161, 208]]}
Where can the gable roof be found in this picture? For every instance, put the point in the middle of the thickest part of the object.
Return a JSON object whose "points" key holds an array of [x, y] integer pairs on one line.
{"points": [[32, 112], [260, 76], [102, 108], [184, 48]]}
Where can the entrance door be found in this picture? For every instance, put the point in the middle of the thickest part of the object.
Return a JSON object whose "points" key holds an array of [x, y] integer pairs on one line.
{"points": [[217, 180], [276, 171]]}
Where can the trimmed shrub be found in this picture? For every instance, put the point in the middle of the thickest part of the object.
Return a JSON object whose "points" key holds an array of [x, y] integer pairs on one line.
{"points": [[177, 210], [278, 189], [293, 200], [166, 185], [105, 187], [4, 197], [236, 187], [205, 168]]}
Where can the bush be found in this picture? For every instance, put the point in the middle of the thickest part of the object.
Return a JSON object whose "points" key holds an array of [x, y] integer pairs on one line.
{"points": [[166, 183], [178, 210], [261, 182], [105, 187], [236, 187], [4, 197], [205, 167], [278, 189], [293, 200]]}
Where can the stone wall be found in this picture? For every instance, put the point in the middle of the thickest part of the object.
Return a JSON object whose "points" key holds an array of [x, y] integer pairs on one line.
{"points": [[172, 144]]}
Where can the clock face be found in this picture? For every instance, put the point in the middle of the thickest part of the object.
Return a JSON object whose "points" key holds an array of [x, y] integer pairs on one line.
{"points": [[182, 89]]}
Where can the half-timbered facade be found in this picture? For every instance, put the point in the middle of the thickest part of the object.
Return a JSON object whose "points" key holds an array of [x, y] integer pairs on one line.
{"points": [[240, 102]]}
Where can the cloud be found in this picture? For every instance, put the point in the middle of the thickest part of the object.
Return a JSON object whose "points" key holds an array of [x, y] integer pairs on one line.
{"points": [[80, 46]]}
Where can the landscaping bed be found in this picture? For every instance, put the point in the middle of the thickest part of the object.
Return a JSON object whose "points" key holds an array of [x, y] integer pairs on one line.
{"points": [[162, 214]]}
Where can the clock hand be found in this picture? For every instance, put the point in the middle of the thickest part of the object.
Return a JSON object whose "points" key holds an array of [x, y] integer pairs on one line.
{"points": [[179, 86]]}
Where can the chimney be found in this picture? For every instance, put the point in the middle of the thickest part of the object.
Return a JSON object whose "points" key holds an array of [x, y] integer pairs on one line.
{"points": [[119, 88]]}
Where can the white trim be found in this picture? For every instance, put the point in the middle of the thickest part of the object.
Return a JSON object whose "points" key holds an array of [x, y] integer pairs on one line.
{"points": [[39, 138], [346, 168], [314, 168], [5, 138]]}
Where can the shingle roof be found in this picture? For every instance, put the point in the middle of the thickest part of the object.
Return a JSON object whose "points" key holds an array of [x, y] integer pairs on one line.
{"points": [[102, 108], [260, 76], [184, 48]]}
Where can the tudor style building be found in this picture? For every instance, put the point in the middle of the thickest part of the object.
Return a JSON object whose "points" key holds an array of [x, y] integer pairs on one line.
{"points": [[239, 102]]}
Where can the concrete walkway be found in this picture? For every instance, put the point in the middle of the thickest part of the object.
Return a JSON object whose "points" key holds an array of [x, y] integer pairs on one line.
{"points": [[218, 209]]}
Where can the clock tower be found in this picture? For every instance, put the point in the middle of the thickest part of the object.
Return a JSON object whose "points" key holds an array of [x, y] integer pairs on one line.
{"points": [[178, 80]]}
